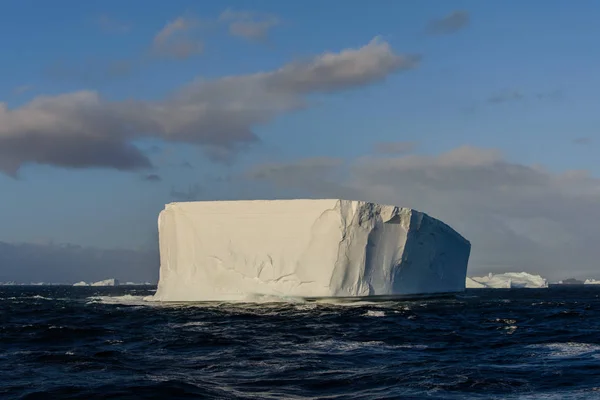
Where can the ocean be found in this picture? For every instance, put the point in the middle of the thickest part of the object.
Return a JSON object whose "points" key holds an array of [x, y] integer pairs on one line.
{"points": [[60, 342]]}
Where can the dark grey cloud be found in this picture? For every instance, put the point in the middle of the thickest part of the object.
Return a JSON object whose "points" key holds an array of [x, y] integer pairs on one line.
{"points": [[248, 24], [394, 147], [584, 141], [82, 129], [191, 193], [66, 263], [518, 217], [451, 23], [152, 178]]}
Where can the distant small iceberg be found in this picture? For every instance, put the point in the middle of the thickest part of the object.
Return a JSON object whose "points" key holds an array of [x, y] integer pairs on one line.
{"points": [[508, 280], [106, 282], [111, 282]]}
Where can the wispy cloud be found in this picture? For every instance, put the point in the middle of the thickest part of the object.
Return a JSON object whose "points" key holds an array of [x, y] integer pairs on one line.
{"points": [[152, 178], [584, 141], [551, 95], [517, 95], [90, 72], [451, 23], [505, 97], [82, 129], [396, 148], [22, 89], [189, 194], [109, 24], [248, 24], [176, 38]]}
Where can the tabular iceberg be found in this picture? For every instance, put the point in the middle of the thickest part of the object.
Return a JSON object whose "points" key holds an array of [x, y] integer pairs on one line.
{"points": [[507, 280], [232, 250]]}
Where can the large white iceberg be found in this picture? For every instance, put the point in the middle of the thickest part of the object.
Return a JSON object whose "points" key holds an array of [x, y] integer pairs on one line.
{"points": [[591, 282], [232, 250], [507, 280]]}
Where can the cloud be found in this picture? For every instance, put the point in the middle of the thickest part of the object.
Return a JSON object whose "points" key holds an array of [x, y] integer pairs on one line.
{"points": [[67, 263], [110, 25], [189, 194], [82, 129], [451, 23], [518, 217], [505, 97], [556, 94], [394, 147], [176, 39], [90, 72], [583, 140], [308, 168], [249, 25], [516, 95], [152, 178], [22, 89]]}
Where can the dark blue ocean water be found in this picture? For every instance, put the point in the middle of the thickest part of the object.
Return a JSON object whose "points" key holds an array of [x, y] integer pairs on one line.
{"points": [[106, 343]]}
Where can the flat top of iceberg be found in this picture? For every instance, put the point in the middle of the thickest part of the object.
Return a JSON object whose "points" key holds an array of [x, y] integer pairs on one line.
{"points": [[286, 206]]}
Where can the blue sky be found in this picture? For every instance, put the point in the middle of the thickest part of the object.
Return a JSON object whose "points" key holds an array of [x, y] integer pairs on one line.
{"points": [[514, 78]]}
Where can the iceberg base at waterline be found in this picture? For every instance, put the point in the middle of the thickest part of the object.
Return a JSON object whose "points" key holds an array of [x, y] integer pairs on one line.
{"points": [[331, 248]]}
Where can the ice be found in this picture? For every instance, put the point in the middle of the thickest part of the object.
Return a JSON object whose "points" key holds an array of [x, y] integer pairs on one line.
{"points": [[107, 282], [471, 284], [508, 280], [229, 250], [82, 283], [591, 282]]}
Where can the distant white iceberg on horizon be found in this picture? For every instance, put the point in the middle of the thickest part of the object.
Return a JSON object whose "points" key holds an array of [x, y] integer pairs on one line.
{"points": [[508, 280], [591, 282], [111, 282]]}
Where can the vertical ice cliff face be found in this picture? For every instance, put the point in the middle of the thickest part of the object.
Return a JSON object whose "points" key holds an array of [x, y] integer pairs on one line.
{"points": [[228, 250]]}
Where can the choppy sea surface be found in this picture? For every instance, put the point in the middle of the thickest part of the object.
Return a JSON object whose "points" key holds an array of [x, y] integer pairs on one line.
{"points": [[107, 343]]}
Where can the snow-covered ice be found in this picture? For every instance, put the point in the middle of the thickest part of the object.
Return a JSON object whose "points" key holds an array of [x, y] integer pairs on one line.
{"points": [[82, 283], [591, 282], [229, 250], [507, 280]]}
